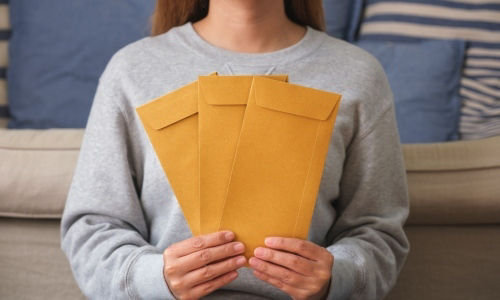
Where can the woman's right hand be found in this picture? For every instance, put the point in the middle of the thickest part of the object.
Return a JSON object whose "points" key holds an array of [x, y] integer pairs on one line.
{"points": [[199, 265]]}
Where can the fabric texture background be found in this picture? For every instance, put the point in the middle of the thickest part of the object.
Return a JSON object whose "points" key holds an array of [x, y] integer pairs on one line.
{"points": [[343, 17], [53, 86], [31, 257], [475, 22], [425, 79]]}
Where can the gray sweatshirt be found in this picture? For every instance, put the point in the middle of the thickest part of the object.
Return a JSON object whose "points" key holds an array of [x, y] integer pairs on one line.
{"points": [[121, 212]]}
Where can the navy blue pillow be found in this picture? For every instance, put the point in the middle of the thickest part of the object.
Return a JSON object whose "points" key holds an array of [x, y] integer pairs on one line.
{"points": [[57, 51], [425, 80], [343, 17]]}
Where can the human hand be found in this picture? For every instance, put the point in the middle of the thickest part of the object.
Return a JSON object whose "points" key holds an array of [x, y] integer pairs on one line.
{"points": [[300, 268], [199, 265]]}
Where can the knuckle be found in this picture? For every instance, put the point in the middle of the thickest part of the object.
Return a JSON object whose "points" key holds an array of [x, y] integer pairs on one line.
{"points": [[206, 272], [286, 277], [315, 288], [295, 261], [279, 284], [221, 237], [232, 264], [229, 249], [302, 294], [303, 246], [197, 242], [309, 270], [324, 274], [185, 297], [270, 254], [175, 284], [167, 252], [205, 255], [260, 275], [170, 269], [264, 267], [208, 287]]}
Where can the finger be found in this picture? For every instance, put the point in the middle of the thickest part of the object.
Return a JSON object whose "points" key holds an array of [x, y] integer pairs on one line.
{"points": [[212, 285], [290, 290], [291, 261], [283, 274], [197, 243], [211, 271], [304, 248], [206, 256]]}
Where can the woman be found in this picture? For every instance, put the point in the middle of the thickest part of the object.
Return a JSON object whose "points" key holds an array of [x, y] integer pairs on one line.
{"points": [[122, 229]]}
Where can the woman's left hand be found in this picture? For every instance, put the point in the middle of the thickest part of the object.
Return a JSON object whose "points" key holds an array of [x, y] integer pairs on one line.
{"points": [[298, 267]]}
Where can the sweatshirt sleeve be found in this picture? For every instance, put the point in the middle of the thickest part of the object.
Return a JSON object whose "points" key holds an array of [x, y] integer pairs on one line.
{"points": [[103, 230], [367, 238]]}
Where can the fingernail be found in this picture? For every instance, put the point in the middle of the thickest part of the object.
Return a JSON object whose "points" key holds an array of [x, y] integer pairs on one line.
{"points": [[239, 247], [270, 241], [241, 260], [229, 236], [259, 252]]}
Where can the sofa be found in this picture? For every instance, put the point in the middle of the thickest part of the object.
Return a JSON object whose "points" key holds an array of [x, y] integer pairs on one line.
{"points": [[454, 223], [453, 227]]}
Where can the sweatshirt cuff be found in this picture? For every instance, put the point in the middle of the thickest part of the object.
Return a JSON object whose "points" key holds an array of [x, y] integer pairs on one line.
{"points": [[346, 275], [145, 277]]}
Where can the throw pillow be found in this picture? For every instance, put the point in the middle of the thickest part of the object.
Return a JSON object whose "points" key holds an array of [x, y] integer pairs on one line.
{"points": [[57, 51], [424, 78], [342, 18], [477, 22]]}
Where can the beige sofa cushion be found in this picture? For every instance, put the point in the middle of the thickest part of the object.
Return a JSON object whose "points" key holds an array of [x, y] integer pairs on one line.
{"points": [[32, 264], [449, 183], [37, 168], [450, 262], [455, 182]]}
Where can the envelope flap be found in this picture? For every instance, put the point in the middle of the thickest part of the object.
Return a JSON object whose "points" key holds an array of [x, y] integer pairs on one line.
{"points": [[294, 99], [228, 90], [171, 107]]}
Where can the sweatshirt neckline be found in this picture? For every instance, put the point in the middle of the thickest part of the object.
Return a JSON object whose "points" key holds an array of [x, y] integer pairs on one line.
{"points": [[187, 36]]}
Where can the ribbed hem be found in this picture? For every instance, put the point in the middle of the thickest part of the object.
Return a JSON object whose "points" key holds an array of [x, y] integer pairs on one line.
{"points": [[145, 277], [347, 277]]}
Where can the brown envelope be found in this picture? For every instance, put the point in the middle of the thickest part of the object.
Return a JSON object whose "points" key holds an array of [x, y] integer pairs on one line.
{"points": [[221, 106], [171, 122], [279, 161]]}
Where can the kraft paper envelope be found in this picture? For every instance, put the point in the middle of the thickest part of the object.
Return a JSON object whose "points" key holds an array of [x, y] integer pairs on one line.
{"points": [[171, 122], [221, 106], [279, 161]]}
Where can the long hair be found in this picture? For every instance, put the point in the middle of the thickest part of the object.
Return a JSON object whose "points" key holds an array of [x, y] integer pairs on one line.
{"points": [[171, 13]]}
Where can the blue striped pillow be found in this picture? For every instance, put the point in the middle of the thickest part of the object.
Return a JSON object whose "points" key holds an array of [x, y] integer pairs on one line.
{"points": [[477, 22], [4, 37]]}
